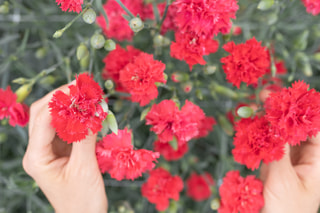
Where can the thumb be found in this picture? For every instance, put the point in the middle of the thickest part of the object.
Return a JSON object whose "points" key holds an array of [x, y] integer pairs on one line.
{"points": [[280, 168], [83, 152]]}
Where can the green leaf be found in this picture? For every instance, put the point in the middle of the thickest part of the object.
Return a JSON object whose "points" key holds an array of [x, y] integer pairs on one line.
{"points": [[144, 113], [301, 42], [265, 4], [112, 122], [174, 144]]}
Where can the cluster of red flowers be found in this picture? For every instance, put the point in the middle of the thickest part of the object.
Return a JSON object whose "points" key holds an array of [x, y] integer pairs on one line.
{"points": [[116, 155], [197, 22], [70, 5], [199, 186], [75, 113], [160, 187], [170, 123], [312, 6], [246, 63], [17, 113], [134, 72], [240, 194]]}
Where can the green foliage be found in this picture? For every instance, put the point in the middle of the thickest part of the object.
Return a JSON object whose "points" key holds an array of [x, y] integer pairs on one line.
{"points": [[27, 49]]}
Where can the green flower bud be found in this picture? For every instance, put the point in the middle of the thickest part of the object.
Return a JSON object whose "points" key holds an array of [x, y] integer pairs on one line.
{"points": [[41, 52], [82, 51], [210, 70], [3, 137], [245, 112], [89, 16], [97, 41], [23, 92], [20, 80], [84, 62], [160, 41], [199, 94], [109, 84], [109, 45], [136, 24], [48, 80], [215, 204], [4, 9], [58, 33]]}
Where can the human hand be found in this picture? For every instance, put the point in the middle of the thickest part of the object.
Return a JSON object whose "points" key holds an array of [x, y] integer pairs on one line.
{"points": [[292, 184], [68, 174]]}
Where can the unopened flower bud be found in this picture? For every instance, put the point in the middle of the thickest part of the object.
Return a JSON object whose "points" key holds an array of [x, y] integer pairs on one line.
{"points": [[97, 41], [20, 80], [109, 45], [48, 80], [84, 62], [89, 16], [187, 87], [245, 112], [23, 92], [215, 204], [109, 84], [4, 8], [41, 52], [82, 51], [136, 24], [3, 137], [160, 40], [58, 33], [210, 70], [199, 94]]}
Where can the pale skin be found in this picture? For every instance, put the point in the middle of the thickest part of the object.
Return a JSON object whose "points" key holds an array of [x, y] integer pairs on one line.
{"points": [[69, 176]]}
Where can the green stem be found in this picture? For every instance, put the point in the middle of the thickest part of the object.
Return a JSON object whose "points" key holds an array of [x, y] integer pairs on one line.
{"points": [[156, 12], [100, 8], [125, 8], [165, 12]]}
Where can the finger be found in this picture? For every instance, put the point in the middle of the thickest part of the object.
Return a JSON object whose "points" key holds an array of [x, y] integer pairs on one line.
{"points": [[83, 152], [42, 134], [283, 165], [36, 106]]}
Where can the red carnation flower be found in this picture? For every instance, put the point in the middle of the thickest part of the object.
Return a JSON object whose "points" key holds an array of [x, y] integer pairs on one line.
{"points": [[169, 122], [74, 114], [191, 48], [118, 27], [246, 63], [190, 120], [312, 6], [256, 141], [206, 126], [294, 112], [17, 113], [115, 61], [70, 5], [160, 187], [166, 150], [240, 194], [140, 76], [116, 155], [198, 186], [205, 18], [163, 117]]}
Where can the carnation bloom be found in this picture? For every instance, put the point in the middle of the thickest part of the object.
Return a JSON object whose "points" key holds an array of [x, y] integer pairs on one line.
{"points": [[139, 78], [199, 186], [246, 63], [115, 61], [118, 27], [205, 17], [166, 150], [116, 155], [74, 114], [191, 48], [312, 6], [70, 5], [17, 113], [294, 112], [206, 126], [256, 141], [240, 194], [160, 187], [168, 122]]}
